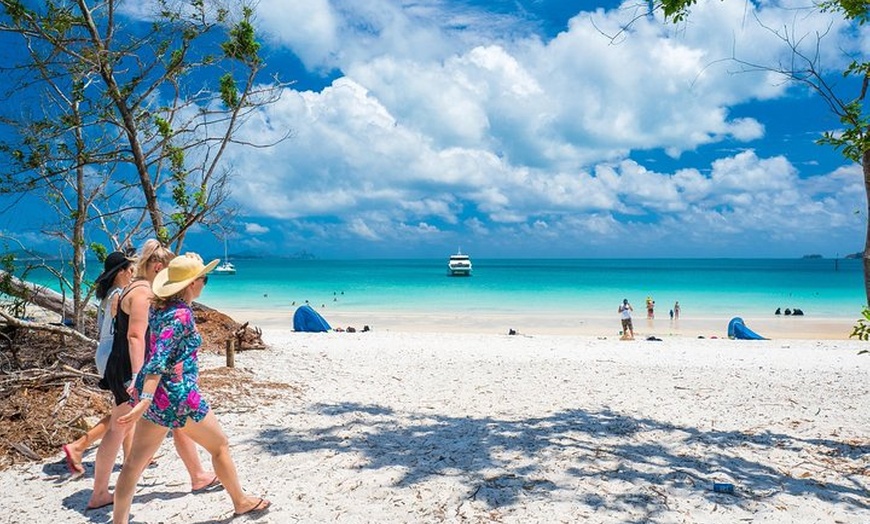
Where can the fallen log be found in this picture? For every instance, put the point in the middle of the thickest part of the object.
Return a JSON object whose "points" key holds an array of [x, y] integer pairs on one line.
{"points": [[50, 328], [42, 296]]}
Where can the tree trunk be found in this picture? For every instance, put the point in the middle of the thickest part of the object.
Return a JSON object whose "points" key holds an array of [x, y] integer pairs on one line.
{"points": [[865, 162]]}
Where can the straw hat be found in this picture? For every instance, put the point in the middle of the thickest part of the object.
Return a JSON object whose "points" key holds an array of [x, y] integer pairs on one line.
{"points": [[180, 272], [115, 262]]}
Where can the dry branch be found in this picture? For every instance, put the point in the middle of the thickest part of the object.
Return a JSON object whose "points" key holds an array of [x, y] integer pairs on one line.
{"points": [[50, 328]]}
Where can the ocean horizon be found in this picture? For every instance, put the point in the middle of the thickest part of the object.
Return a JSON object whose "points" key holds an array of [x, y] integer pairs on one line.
{"points": [[823, 288]]}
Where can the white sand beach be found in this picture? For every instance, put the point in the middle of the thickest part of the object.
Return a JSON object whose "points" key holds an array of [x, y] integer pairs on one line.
{"points": [[569, 323], [463, 427]]}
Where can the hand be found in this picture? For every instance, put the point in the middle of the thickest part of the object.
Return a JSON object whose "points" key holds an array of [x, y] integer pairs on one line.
{"points": [[134, 415], [133, 392]]}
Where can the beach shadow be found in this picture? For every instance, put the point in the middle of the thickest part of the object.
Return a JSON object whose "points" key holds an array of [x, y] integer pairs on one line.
{"points": [[603, 446], [78, 501]]}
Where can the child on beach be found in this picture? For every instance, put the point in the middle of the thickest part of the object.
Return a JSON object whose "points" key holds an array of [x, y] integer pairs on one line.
{"points": [[169, 395]]}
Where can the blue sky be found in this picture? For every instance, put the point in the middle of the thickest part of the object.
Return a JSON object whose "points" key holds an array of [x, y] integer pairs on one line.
{"points": [[542, 129]]}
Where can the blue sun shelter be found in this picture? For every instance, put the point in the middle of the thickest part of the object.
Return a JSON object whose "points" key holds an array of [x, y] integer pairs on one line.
{"points": [[306, 319], [738, 330]]}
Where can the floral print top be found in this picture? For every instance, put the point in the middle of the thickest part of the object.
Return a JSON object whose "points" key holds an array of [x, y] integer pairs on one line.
{"points": [[172, 354]]}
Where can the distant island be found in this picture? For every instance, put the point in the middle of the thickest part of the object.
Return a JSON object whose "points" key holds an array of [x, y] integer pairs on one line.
{"points": [[850, 256]]}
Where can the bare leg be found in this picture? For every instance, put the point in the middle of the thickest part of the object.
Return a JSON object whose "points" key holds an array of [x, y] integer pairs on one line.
{"points": [[77, 448], [208, 434], [126, 444], [186, 449], [107, 453], [149, 436]]}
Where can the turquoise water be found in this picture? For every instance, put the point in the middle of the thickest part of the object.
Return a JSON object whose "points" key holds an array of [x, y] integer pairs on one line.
{"points": [[822, 288], [704, 287]]}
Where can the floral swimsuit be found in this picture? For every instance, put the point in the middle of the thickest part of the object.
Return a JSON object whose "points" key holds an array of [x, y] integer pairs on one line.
{"points": [[172, 354]]}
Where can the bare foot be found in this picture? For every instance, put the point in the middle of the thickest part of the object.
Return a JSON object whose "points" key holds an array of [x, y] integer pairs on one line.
{"points": [[252, 505], [101, 501], [204, 480], [73, 458]]}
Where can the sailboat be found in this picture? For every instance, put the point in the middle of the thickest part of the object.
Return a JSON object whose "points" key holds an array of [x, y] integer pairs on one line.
{"points": [[225, 267]]}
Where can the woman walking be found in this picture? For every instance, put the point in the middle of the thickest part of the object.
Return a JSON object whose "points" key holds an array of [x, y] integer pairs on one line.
{"points": [[125, 360], [169, 390], [117, 273]]}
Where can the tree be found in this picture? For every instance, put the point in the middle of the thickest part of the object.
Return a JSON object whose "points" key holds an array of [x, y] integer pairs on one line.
{"points": [[850, 107], [121, 123]]}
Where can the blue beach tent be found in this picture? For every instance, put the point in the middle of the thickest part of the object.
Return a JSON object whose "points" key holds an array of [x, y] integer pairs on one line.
{"points": [[738, 330], [306, 319]]}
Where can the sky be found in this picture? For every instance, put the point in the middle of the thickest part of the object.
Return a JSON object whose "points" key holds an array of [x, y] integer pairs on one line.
{"points": [[544, 128]]}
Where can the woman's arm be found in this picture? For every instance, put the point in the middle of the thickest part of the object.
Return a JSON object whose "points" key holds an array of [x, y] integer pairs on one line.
{"points": [[138, 305], [145, 400]]}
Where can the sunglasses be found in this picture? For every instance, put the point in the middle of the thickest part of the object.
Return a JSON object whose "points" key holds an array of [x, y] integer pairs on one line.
{"points": [[204, 280]]}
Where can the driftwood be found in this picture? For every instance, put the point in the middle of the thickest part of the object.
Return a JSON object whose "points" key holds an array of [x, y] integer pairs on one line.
{"points": [[42, 326], [216, 328], [41, 296], [47, 379]]}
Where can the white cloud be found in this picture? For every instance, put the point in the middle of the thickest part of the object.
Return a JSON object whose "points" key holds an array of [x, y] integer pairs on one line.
{"points": [[255, 229], [499, 133]]}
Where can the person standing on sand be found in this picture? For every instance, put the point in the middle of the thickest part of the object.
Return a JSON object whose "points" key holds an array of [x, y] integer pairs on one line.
{"points": [[168, 387], [677, 310], [127, 355], [625, 310], [117, 273]]}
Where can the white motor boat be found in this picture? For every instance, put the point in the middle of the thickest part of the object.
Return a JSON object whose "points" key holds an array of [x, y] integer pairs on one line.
{"points": [[459, 265]]}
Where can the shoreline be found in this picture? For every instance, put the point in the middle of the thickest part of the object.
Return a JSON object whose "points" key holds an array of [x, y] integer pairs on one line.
{"points": [[550, 323]]}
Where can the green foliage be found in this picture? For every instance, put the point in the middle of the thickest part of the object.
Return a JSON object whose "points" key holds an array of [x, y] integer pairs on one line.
{"points": [[676, 10], [163, 127], [857, 10], [99, 251], [242, 45], [861, 331], [229, 91], [13, 305], [15, 10], [853, 140]]}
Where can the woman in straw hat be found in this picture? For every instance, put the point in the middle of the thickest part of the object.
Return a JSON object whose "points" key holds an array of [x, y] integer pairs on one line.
{"points": [[125, 360], [169, 390], [116, 275]]}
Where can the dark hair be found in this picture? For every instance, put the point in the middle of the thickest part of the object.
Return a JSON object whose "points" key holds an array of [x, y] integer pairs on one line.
{"points": [[104, 285], [625, 301]]}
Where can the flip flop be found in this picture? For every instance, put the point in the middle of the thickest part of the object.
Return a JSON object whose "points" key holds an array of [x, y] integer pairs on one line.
{"points": [[262, 506], [75, 469], [214, 485]]}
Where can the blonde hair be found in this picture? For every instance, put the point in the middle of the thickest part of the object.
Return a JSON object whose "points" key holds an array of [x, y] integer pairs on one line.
{"points": [[164, 302], [152, 251]]}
